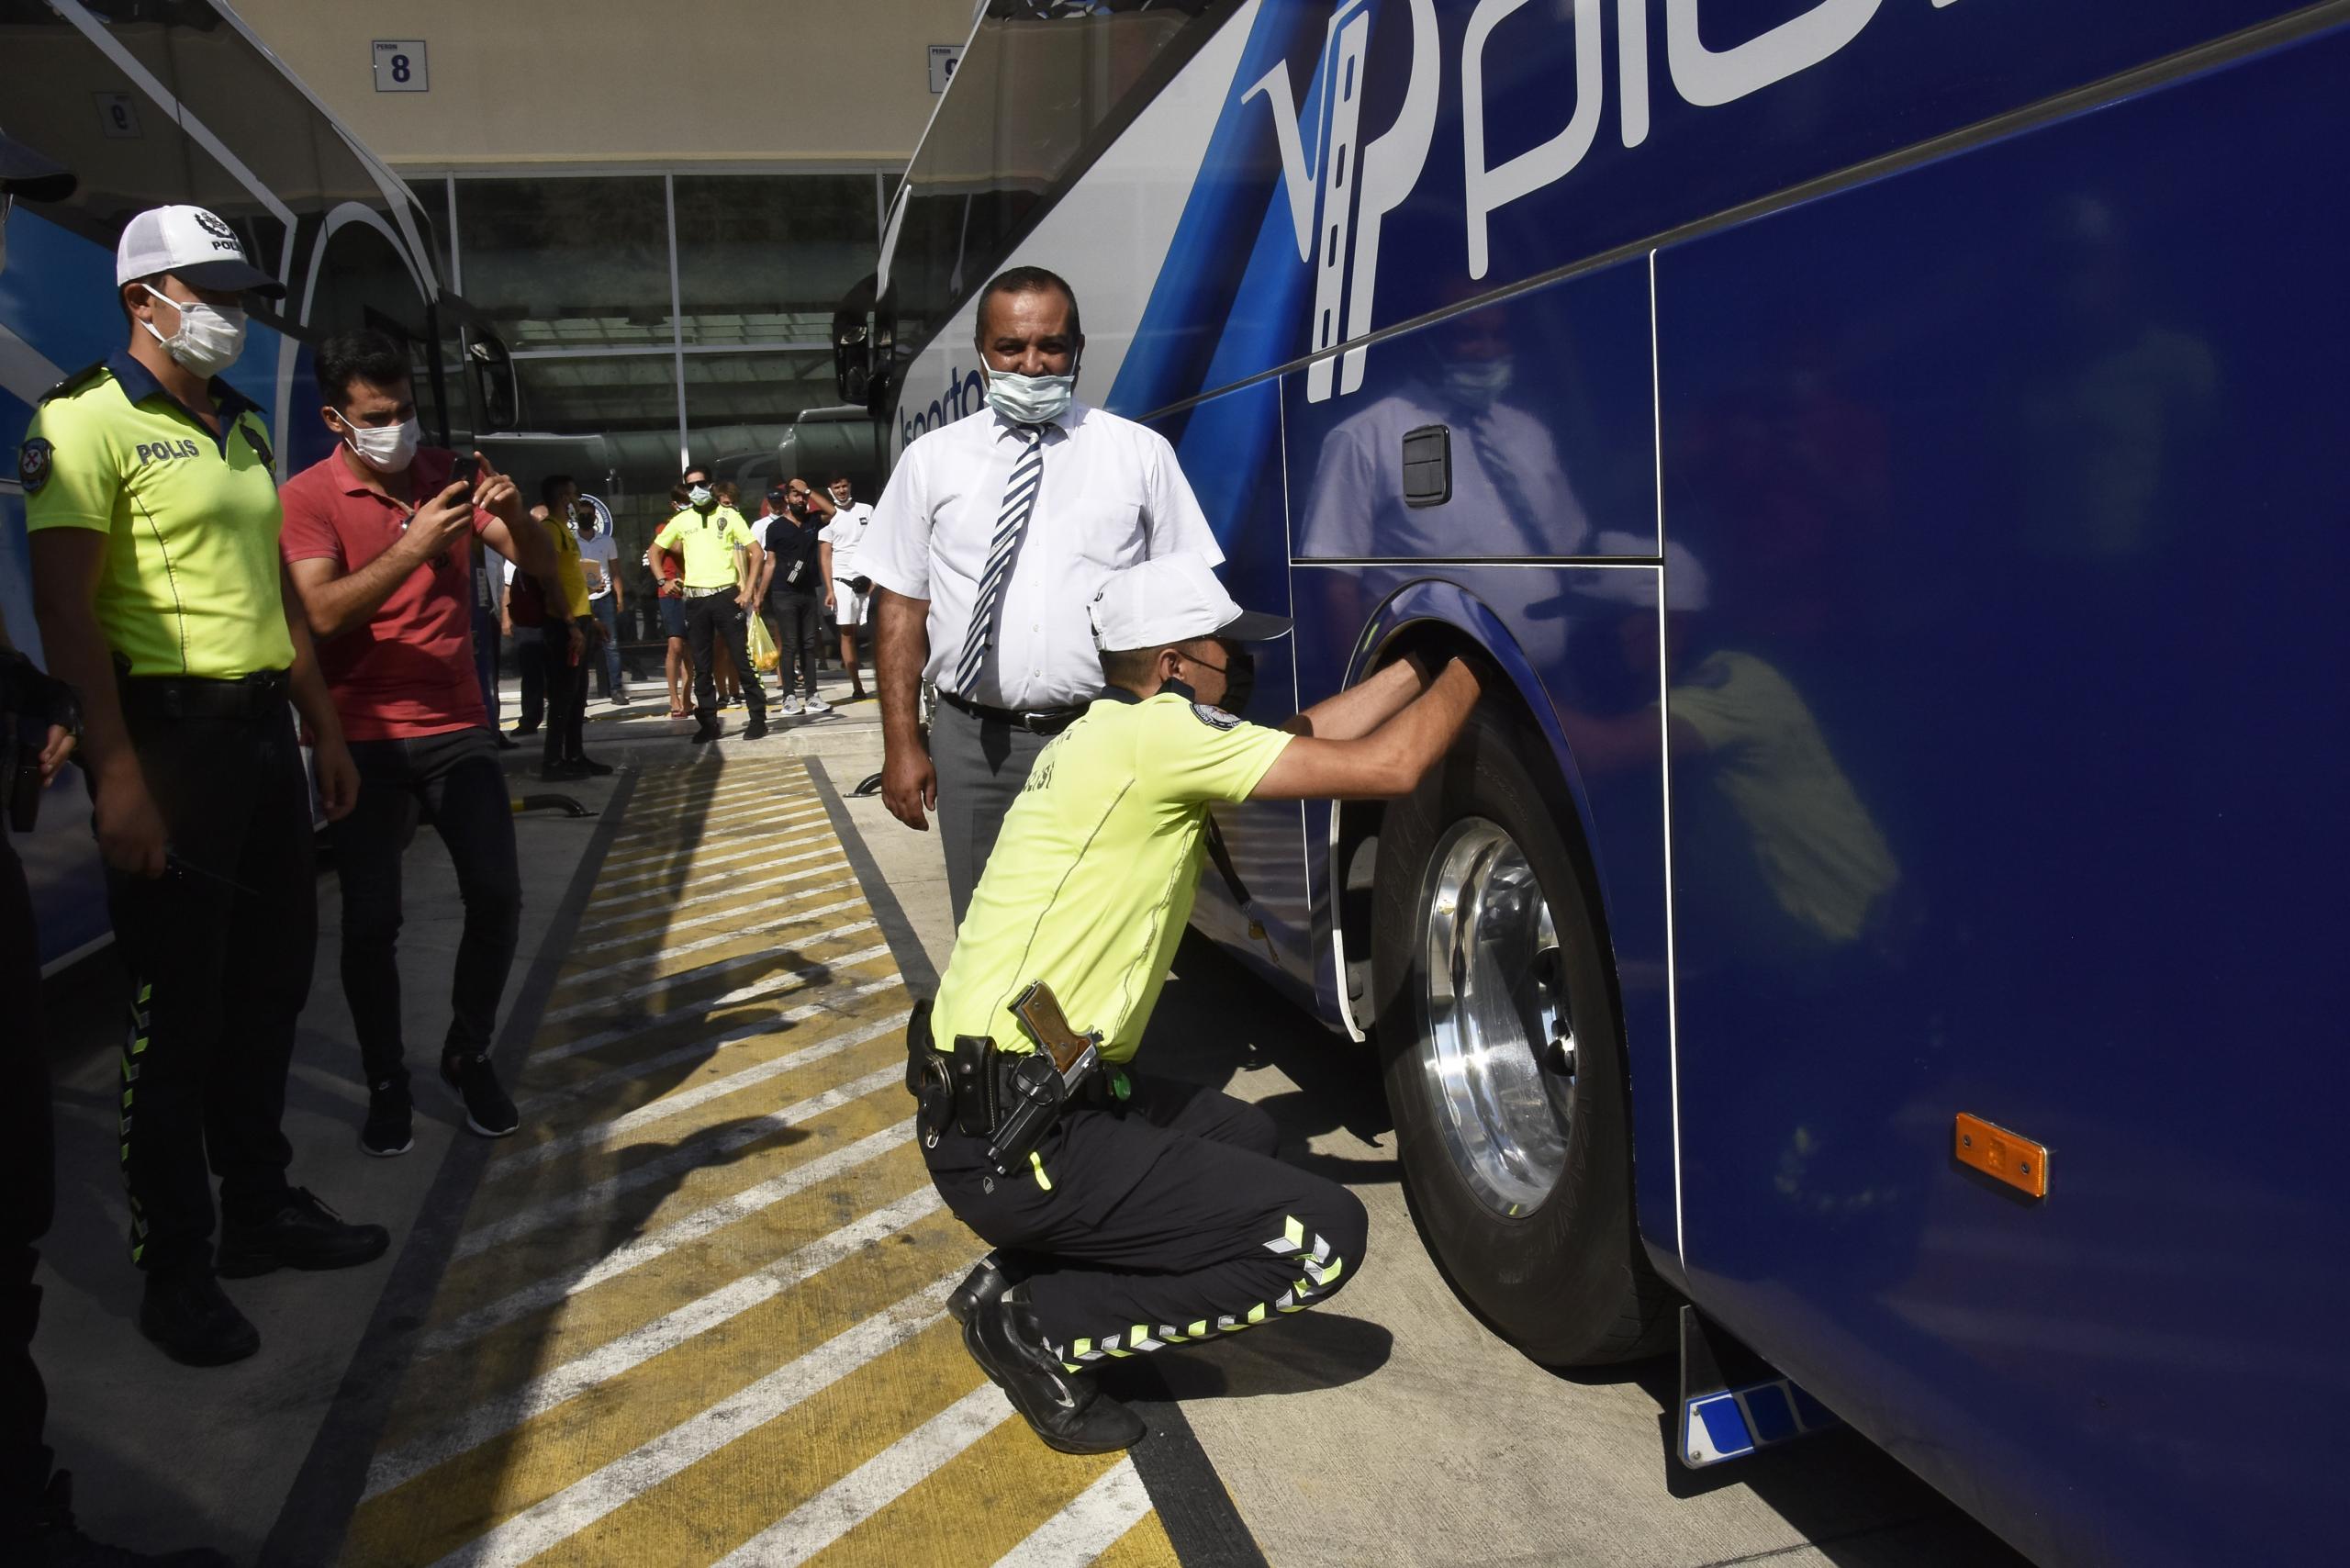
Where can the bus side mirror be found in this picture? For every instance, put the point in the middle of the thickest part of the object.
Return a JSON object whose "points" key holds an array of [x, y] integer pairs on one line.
{"points": [[489, 371]]}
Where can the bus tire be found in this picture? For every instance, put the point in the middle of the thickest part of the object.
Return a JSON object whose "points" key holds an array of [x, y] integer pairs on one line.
{"points": [[1516, 1155]]}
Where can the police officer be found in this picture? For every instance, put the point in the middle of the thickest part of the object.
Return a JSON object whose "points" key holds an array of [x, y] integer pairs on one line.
{"points": [[1146, 1213], [153, 516], [714, 544], [569, 634]]}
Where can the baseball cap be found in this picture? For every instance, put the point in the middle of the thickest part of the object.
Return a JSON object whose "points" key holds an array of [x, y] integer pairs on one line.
{"points": [[1173, 598], [24, 173], [191, 245], [778, 496]]}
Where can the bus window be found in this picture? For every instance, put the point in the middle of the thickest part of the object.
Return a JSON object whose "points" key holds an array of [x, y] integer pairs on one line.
{"points": [[1049, 91]]}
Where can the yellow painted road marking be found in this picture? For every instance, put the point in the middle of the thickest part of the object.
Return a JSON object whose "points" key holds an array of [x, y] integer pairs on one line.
{"points": [[694, 1315]]}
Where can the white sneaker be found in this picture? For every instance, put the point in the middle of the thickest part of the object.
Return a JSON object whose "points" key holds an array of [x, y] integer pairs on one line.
{"points": [[818, 705], [790, 706]]}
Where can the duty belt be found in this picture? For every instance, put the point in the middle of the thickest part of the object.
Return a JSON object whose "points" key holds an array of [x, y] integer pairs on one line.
{"points": [[260, 695], [1035, 721]]}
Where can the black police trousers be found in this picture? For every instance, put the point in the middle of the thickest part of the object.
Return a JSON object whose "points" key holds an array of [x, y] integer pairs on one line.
{"points": [[716, 618], [27, 1196], [219, 952], [1158, 1220]]}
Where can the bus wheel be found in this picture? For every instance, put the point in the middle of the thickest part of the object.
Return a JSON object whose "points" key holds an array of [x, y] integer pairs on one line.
{"points": [[1498, 1033]]}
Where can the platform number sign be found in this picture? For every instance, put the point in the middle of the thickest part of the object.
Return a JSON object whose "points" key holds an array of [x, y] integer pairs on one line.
{"points": [[944, 57], [400, 66], [118, 115]]}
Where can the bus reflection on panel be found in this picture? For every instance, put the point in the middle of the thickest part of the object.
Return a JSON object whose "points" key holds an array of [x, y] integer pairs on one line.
{"points": [[1893, 450]]}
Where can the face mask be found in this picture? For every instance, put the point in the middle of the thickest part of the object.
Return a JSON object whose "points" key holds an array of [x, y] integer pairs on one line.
{"points": [[208, 339], [1030, 400], [388, 448], [1475, 383], [1239, 680], [700, 497]]}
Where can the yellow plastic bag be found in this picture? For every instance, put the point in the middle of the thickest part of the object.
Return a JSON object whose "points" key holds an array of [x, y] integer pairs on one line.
{"points": [[763, 652]]}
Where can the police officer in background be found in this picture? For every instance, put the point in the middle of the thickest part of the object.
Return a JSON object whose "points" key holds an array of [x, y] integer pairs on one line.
{"points": [[37, 1525], [1138, 1213], [991, 538], [153, 516], [714, 544]]}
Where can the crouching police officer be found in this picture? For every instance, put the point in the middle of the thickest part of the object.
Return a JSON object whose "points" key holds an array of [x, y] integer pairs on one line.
{"points": [[1129, 1214], [153, 516]]}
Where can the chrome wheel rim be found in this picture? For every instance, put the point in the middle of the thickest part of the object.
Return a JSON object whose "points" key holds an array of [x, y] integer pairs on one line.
{"points": [[1499, 1052]]}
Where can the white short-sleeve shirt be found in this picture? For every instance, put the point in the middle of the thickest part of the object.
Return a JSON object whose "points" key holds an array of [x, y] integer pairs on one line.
{"points": [[846, 533], [1112, 495]]}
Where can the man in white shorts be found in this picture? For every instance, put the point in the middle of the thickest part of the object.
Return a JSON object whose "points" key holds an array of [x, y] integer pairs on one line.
{"points": [[853, 590]]}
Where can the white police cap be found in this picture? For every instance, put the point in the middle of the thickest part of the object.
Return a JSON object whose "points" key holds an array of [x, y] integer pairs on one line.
{"points": [[1173, 598], [191, 245]]}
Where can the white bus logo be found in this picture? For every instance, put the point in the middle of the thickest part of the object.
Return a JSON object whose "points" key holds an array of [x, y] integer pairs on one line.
{"points": [[1363, 186], [1358, 190]]}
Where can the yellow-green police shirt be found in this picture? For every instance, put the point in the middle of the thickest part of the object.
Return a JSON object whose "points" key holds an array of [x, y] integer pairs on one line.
{"points": [[190, 585], [1090, 881], [708, 541]]}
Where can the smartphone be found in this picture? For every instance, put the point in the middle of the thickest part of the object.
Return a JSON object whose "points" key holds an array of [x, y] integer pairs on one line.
{"points": [[464, 471]]}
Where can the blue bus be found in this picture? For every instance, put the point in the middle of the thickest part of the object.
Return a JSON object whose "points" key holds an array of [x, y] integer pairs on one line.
{"points": [[1893, 448], [180, 103]]}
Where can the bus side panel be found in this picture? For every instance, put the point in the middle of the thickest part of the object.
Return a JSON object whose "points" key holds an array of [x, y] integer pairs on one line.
{"points": [[2015, 481], [1229, 448]]}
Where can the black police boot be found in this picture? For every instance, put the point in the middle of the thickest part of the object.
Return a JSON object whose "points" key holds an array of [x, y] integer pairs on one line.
{"points": [[588, 766], [1065, 1408], [983, 1286], [388, 1130], [756, 727], [488, 1110], [299, 1233], [192, 1320], [58, 1542], [706, 726]]}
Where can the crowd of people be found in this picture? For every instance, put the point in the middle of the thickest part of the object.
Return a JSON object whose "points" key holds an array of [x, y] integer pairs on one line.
{"points": [[1042, 565]]}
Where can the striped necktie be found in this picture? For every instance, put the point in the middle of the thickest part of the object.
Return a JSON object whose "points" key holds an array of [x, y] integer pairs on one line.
{"points": [[1019, 504]]}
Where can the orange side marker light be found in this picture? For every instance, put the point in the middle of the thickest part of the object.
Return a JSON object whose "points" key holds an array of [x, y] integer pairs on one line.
{"points": [[2001, 1155]]}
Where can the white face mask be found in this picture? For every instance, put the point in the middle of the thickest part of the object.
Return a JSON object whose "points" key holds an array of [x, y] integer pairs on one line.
{"points": [[388, 448], [209, 337], [1475, 383], [700, 497], [1030, 400]]}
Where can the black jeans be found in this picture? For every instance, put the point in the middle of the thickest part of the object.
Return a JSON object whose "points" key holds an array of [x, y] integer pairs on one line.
{"points": [[716, 618], [28, 1197], [566, 685], [220, 951], [795, 618], [455, 779], [530, 655]]}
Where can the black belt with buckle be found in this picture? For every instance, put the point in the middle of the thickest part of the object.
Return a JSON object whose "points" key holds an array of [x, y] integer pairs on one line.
{"points": [[1035, 721], [262, 694]]}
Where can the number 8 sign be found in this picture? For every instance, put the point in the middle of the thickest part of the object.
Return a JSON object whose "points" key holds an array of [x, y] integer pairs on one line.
{"points": [[400, 66]]}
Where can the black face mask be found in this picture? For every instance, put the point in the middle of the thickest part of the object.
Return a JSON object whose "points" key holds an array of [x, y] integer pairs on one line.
{"points": [[1239, 680]]}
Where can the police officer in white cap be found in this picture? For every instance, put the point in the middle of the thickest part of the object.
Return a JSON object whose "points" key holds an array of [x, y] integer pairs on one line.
{"points": [[151, 498], [1132, 1213]]}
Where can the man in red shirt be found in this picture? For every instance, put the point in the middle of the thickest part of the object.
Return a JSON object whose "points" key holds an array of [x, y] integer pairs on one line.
{"points": [[379, 543]]}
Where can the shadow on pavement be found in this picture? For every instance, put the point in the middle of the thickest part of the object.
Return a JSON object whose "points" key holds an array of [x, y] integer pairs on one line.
{"points": [[1313, 1350], [1217, 1022]]}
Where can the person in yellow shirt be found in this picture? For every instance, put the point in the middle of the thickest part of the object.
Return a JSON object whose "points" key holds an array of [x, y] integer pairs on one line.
{"points": [[713, 546], [571, 633], [1147, 1213], [150, 500]]}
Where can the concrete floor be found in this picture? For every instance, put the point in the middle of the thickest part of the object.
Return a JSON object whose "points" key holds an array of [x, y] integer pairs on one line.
{"points": [[1390, 1428]]}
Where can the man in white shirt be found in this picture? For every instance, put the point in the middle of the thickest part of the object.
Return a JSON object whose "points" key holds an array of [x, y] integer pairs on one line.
{"points": [[598, 563], [852, 591], [989, 542]]}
